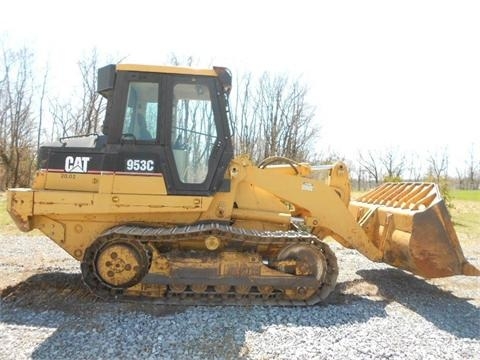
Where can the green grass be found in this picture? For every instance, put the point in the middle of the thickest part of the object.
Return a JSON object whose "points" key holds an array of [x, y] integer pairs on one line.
{"points": [[7, 226], [471, 195], [466, 218], [4, 217]]}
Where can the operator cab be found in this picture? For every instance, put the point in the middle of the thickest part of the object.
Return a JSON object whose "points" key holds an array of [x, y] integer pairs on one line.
{"points": [[160, 121]]}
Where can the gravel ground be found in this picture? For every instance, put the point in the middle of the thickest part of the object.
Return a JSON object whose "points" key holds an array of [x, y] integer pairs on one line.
{"points": [[376, 312]]}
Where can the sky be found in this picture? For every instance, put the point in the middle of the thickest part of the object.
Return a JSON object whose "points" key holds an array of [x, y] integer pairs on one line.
{"points": [[381, 74]]}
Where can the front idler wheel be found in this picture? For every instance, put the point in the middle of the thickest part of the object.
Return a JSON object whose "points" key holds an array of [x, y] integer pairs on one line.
{"points": [[302, 260]]}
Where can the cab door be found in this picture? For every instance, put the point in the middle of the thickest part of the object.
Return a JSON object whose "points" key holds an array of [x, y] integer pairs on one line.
{"points": [[174, 126], [198, 139]]}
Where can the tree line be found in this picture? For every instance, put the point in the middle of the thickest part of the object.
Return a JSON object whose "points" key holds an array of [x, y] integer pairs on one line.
{"points": [[390, 164], [24, 104], [270, 116]]}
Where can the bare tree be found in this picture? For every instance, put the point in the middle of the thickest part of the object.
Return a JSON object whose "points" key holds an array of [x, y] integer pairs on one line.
{"points": [[84, 113], [438, 166], [371, 164], [66, 120], [246, 139], [176, 60], [40, 110], [327, 156], [272, 118], [394, 164], [438, 172], [16, 121], [414, 168], [92, 106], [469, 176], [382, 165]]}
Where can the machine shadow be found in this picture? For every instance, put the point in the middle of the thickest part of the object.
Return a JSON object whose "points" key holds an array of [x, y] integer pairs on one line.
{"points": [[443, 309], [66, 292], [61, 301]]}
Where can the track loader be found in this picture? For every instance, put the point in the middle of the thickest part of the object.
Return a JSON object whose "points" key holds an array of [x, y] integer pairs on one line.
{"points": [[157, 208]]}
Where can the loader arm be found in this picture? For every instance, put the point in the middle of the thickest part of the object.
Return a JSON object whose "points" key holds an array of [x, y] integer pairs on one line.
{"points": [[405, 225], [321, 206]]}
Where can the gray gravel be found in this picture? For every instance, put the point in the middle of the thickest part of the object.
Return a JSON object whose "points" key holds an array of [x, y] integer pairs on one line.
{"points": [[376, 312]]}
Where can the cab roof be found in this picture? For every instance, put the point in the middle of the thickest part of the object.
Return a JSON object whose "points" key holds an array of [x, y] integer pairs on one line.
{"points": [[166, 69]]}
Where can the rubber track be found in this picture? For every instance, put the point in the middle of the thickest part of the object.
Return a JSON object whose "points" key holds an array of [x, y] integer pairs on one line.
{"points": [[237, 239]]}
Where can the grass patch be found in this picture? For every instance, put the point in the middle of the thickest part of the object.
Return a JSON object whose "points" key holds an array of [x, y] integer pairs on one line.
{"points": [[471, 195], [7, 226], [5, 219], [466, 218]]}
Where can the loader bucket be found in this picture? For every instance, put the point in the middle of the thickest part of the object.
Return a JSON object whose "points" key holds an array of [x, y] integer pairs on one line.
{"points": [[410, 224]]}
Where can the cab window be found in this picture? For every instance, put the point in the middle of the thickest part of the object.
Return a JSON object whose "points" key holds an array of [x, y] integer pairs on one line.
{"points": [[193, 131], [140, 122]]}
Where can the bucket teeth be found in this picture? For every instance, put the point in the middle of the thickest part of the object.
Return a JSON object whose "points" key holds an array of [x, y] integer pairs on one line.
{"points": [[408, 195]]}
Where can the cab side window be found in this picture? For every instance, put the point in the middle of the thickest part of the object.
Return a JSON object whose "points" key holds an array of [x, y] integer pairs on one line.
{"points": [[141, 112], [194, 131]]}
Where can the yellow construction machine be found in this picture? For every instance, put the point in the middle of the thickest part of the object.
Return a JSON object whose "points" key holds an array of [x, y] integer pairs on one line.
{"points": [[157, 207]]}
